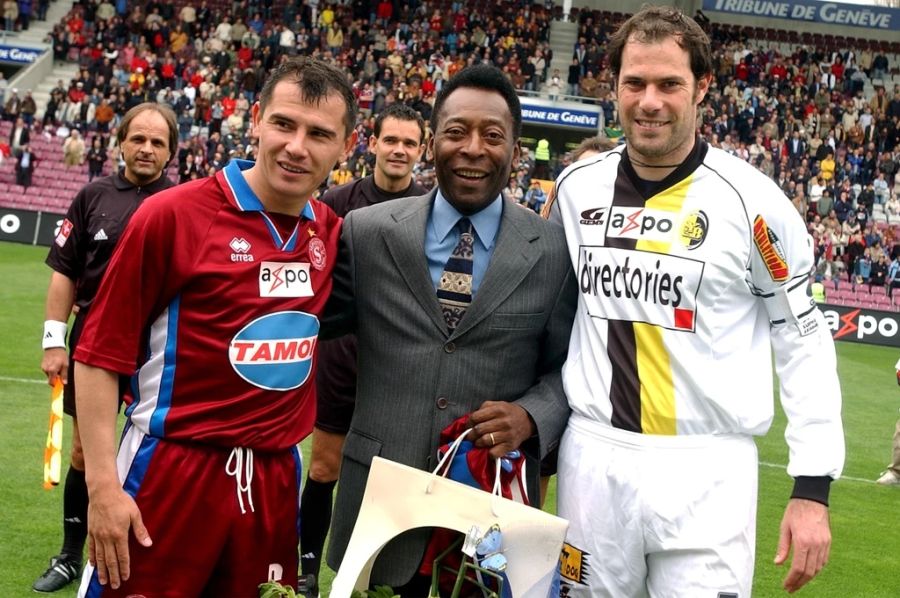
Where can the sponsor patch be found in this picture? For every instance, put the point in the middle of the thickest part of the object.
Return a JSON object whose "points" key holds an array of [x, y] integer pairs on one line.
{"points": [[275, 351], [807, 325], [284, 279], [592, 216], [640, 286], [770, 249], [643, 224], [573, 564], [693, 229], [101, 235], [65, 229], [317, 255]]}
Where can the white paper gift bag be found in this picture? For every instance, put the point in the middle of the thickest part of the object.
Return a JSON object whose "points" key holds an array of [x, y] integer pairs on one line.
{"points": [[399, 498]]}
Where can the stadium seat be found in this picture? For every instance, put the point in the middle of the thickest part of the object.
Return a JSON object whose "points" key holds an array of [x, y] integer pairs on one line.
{"points": [[883, 301], [840, 294]]}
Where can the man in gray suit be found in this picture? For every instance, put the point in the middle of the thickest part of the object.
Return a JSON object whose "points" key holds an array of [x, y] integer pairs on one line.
{"points": [[423, 362]]}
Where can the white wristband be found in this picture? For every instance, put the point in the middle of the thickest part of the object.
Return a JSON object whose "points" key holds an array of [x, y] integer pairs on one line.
{"points": [[54, 335]]}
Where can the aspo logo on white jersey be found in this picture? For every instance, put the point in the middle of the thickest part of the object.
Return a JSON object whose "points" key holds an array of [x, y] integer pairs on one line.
{"points": [[280, 279], [640, 286], [643, 224], [275, 351]]}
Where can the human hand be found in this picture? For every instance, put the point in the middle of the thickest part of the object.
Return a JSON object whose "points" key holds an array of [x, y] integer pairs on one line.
{"points": [[500, 426], [111, 513], [55, 362], [804, 531]]}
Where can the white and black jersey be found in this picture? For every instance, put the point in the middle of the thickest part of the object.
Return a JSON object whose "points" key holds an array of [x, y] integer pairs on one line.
{"points": [[686, 286]]}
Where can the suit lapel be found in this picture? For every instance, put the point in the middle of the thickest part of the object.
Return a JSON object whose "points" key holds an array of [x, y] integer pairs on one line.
{"points": [[513, 258], [406, 243]]}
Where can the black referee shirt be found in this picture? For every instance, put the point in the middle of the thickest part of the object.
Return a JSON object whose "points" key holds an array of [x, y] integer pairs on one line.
{"points": [[93, 224]]}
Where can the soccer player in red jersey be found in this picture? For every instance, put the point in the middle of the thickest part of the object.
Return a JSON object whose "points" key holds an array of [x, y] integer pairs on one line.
{"points": [[211, 303]]}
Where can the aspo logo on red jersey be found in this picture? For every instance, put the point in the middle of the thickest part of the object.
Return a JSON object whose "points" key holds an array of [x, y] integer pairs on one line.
{"points": [[284, 279], [275, 351], [640, 286]]}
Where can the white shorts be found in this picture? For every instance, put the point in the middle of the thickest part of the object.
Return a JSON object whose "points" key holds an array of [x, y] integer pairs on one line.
{"points": [[656, 515]]}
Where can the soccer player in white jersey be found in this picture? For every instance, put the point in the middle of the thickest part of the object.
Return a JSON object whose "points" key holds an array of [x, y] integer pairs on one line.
{"points": [[692, 268]]}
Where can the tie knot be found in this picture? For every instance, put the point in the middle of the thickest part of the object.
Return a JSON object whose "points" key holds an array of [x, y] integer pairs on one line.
{"points": [[464, 225]]}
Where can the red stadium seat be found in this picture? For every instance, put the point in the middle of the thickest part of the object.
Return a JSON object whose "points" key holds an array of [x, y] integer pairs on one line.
{"points": [[839, 294]]}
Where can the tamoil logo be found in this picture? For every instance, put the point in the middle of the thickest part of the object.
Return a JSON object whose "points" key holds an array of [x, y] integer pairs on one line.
{"points": [[275, 351]]}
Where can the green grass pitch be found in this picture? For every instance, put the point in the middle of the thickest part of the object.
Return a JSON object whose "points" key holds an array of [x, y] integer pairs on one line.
{"points": [[865, 556]]}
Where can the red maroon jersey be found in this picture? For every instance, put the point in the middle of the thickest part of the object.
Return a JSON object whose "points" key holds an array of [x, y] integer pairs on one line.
{"points": [[216, 303]]}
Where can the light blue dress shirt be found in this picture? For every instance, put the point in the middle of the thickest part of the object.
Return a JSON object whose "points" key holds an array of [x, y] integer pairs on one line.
{"points": [[441, 237]]}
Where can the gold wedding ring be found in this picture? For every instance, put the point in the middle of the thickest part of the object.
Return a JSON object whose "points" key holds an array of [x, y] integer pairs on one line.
{"points": [[493, 442]]}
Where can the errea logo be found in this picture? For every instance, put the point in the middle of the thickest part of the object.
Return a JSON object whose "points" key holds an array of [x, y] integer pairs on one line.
{"points": [[240, 247]]}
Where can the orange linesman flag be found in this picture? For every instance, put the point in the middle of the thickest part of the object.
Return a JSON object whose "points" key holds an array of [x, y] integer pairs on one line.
{"points": [[53, 450]]}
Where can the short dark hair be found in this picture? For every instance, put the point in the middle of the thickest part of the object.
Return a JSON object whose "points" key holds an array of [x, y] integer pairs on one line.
{"points": [[163, 110], [316, 80], [400, 111], [657, 23], [480, 76], [595, 143]]}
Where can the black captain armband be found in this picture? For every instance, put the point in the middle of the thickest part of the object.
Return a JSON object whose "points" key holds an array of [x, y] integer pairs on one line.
{"points": [[814, 488]]}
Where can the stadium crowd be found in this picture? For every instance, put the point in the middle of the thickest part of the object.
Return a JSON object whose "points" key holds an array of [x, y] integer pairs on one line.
{"points": [[804, 117]]}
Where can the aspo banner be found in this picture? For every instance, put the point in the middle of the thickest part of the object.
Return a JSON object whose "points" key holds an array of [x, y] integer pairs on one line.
{"points": [[880, 18], [858, 325], [17, 225]]}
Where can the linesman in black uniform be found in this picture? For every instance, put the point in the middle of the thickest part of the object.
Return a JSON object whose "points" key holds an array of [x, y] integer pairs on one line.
{"points": [[148, 138], [398, 144]]}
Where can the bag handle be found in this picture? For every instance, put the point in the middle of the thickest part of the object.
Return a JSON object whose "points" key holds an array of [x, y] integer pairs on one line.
{"points": [[448, 456], [447, 460]]}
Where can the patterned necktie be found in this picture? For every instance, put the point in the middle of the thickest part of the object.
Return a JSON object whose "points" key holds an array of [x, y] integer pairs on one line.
{"points": [[454, 290]]}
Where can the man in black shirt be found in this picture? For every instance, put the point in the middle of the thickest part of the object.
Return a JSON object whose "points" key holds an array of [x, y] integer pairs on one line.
{"points": [[148, 137], [397, 143]]}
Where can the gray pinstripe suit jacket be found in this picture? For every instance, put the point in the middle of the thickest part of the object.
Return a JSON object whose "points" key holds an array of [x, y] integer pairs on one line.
{"points": [[415, 378]]}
